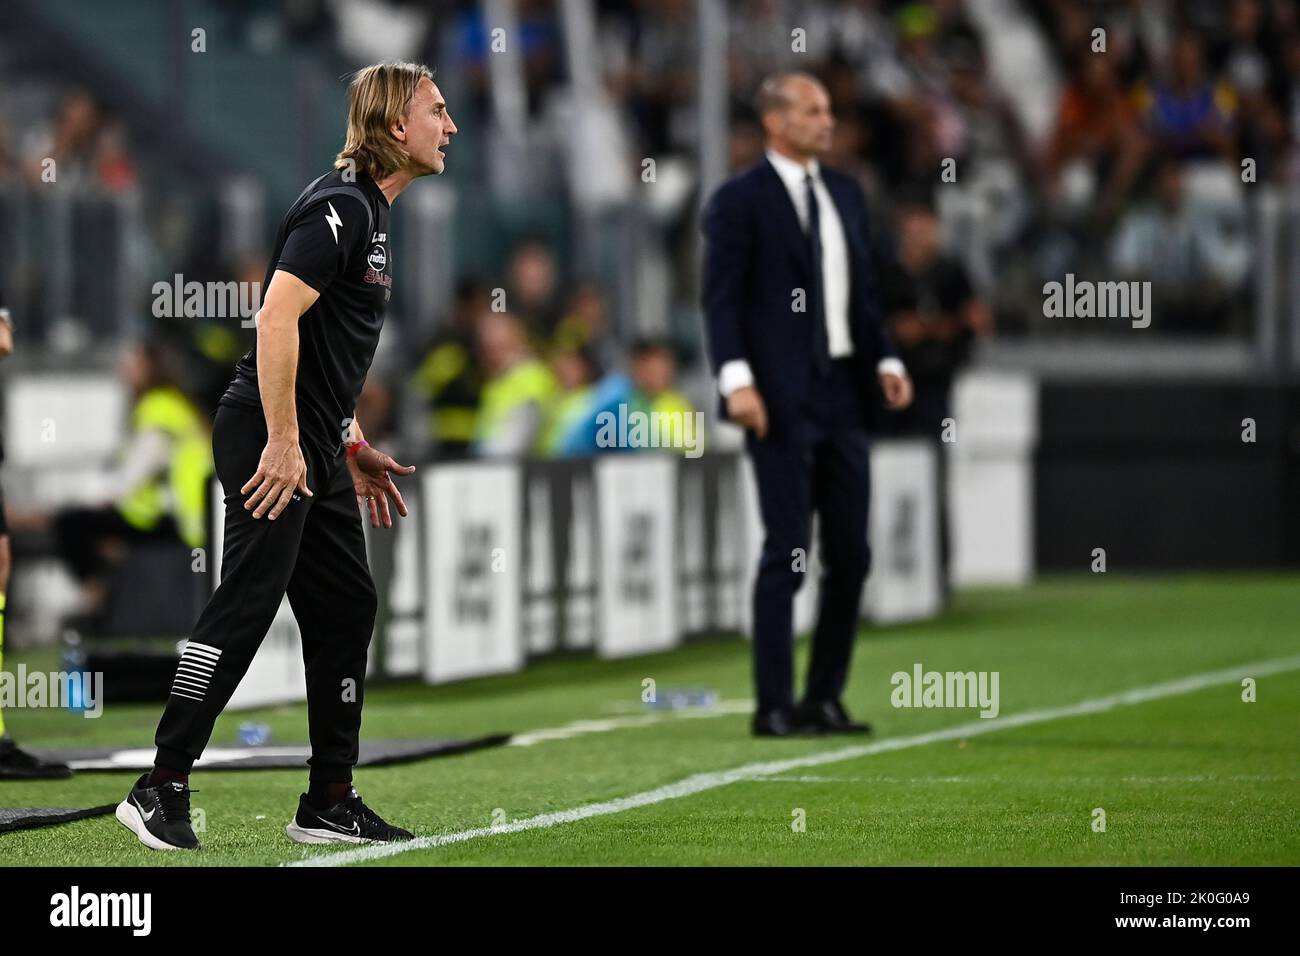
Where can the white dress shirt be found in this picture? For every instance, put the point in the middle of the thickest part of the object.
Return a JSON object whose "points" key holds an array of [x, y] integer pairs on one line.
{"points": [[835, 271]]}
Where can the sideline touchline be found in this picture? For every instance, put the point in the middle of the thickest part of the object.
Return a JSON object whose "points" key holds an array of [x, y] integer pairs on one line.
{"points": [[700, 782]]}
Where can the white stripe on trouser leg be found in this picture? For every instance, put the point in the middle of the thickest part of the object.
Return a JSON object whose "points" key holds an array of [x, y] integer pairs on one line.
{"points": [[194, 672]]}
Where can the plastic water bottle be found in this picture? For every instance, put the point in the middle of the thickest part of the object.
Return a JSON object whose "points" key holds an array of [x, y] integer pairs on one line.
{"points": [[682, 698], [254, 734], [74, 665]]}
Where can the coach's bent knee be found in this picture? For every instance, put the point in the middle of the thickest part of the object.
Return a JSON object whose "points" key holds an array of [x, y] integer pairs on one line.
{"points": [[784, 567]]}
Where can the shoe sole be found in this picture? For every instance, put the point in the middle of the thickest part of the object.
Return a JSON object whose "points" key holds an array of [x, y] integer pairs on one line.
{"points": [[799, 732], [129, 817]]}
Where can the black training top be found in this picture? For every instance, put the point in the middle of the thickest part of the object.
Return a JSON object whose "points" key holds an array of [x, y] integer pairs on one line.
{"points": [[335, 239]]}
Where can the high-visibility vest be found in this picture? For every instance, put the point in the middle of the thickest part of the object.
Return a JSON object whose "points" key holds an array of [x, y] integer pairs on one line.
{"points": [[529, 381], [183, 493], [670, 401], [444, 377], [667, 402], [571, 410]]}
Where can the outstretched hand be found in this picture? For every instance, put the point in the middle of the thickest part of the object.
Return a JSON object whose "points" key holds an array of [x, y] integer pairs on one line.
{"points": [[372, 473]]}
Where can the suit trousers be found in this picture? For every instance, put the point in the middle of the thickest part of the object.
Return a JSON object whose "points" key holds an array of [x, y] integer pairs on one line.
{"points": [[819, 465]]}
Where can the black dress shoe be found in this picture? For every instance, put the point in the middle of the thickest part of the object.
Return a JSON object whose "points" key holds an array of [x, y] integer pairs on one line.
{"points": [[784, 722], [18, 764], [831, 717]]}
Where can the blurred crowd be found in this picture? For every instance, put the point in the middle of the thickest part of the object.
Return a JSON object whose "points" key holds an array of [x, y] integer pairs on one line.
{"points": [[1134, 170], [1113, 139], [527, 367], [80, 146], [1117, 150]]}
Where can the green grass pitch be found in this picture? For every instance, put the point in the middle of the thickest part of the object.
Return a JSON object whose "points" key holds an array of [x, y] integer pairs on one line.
{"points": [[1191, 778]]}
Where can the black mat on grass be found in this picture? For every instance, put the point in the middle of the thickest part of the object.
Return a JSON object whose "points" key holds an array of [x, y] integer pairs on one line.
{"points": [[27, 818], [374, 753]]}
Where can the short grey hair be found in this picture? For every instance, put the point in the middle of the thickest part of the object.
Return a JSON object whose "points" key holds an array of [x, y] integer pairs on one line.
{"points": [[772, 91]]}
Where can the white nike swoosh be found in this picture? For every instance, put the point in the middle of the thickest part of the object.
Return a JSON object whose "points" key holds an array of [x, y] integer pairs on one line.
{"points": [[147, 816], [354, 831]]}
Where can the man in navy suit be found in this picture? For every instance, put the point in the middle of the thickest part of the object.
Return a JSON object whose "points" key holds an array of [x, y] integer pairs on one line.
{"points": [[797, 340]]}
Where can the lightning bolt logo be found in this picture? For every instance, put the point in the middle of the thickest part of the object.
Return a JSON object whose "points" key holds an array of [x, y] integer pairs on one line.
{"points": [[335, 220]]}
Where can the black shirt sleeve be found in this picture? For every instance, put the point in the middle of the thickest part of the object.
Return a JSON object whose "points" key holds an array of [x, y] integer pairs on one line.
{"points": [[322, 238]]}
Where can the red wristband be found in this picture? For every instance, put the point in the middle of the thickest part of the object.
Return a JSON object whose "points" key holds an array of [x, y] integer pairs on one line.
{"points": [[356, 447]]}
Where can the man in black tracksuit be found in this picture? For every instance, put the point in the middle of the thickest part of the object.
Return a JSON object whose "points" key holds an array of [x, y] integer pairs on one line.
{"points": [[294, 464]]}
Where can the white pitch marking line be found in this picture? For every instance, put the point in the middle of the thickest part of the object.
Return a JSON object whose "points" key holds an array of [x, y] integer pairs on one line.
{"points": [[701, 782], [1041, 781], [600, 725]]}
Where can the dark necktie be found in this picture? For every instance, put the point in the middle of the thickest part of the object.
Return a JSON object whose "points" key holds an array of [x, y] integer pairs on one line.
{"points": [[817, 294]]}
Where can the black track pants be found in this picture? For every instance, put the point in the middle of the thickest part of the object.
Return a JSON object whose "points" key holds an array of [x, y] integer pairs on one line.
{"points": [[314, 551]]}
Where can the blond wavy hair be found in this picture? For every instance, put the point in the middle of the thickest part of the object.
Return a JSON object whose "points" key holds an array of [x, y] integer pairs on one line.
{"points": [[378, 97]]}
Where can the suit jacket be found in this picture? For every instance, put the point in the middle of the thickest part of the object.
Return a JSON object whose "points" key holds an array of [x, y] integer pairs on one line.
{"points": [[755, 255]]}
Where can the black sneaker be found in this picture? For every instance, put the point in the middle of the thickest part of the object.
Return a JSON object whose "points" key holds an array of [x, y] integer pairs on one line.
{"points": [[18, 764], [348, 821], [159, 816]]}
